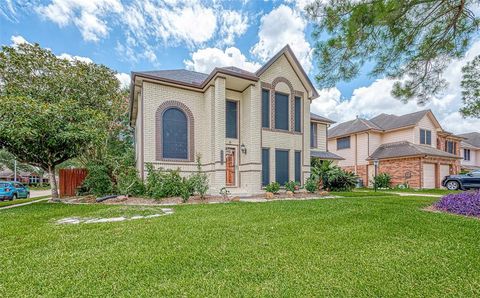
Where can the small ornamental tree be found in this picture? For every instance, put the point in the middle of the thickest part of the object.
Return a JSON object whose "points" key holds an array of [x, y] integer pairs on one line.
{"points": [[52, 109]]}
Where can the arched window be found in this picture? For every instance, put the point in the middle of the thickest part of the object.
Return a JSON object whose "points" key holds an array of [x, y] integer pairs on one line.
{"points": [[175, 134]]}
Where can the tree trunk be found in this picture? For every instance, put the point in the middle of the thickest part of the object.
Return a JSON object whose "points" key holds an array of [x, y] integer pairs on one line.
{"points": [[53, 184]]}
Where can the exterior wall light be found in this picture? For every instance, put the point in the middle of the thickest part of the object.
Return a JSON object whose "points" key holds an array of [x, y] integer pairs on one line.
{"points": [[243, 148]]}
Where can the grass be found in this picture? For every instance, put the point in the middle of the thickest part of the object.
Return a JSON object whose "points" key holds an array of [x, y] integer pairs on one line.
{"points": [[20, 201], [416, 191], [362, 245], [39, 187]]}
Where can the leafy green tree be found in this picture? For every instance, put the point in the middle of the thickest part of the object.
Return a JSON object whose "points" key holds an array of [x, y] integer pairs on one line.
{"points": [[52, 109], [408, 40], [471, 88]]}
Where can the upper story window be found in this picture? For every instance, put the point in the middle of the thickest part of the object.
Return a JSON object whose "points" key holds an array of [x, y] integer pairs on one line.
{"points": [[265, 108], [298, 114], [450, 147], [466, 154], [232, 119], [425, 137], [174, 134], [343, 143], [281, 111], [313, 135]]}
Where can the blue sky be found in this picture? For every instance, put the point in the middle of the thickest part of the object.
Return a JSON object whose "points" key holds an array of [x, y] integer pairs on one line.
{"points": [[129, 35]]}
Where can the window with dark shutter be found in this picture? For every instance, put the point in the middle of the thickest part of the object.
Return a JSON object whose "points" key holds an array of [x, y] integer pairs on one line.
{"points": [[281, 111], [231, 107], [298, 166], [265, 166], [281, 166], [175, 134], [313, 135], [466, 154], [298, 114], [265, 108]]}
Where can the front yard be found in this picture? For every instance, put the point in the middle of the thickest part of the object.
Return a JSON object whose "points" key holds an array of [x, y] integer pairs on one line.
{"points": [[361, 245]]}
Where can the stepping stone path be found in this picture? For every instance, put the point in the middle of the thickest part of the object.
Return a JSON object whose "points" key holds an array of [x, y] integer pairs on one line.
{"points": [[85, 220]]}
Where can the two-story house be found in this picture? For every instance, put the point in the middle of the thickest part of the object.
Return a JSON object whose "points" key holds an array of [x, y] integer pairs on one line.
{"points": [[249, 129], [470, 150], [413, 148]]}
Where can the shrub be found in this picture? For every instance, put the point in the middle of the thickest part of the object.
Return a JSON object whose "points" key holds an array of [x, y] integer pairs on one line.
{"points": [[466, 203], [332, 177], [311, 185], [185, 189], [162, 184], [382, 180], [128, 182], [199, 180], [98, 182], [273, 187], [291, 186]]}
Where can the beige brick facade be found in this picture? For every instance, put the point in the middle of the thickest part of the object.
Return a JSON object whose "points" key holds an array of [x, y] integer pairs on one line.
{"points": [[206, 110]]}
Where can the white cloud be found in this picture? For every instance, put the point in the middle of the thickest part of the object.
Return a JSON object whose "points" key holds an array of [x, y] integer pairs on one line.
{"points": [[375, 99], [282, 26], [232, 24], [18, 39], [89, 16], [205, 60], [73, 58], [7, 10], [124, 79]]}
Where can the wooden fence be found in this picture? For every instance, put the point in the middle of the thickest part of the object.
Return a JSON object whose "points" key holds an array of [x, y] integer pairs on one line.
{"points": [[69, 180]]}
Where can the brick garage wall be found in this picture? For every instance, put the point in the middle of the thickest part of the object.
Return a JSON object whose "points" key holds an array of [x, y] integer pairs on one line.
{"points": [[361, 172], [397, 168]]}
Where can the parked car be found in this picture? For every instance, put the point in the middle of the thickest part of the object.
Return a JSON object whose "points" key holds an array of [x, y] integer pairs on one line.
{"points": [[462, 181], [10, 190]]}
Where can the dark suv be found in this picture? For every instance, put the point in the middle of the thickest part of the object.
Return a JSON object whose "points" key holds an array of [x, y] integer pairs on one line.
{"points": [[463, 181]]}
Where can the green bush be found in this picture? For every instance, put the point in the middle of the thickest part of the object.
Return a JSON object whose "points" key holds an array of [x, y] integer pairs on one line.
{"points": [[186, 189], [332, 177], [311, 185], [128, 182], [98, 182], [163, 184], [291, 186], [382, 180], [199, 180], [273, 187]]}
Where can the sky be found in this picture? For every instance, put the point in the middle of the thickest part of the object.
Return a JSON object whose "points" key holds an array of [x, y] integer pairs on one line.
{"points": [[136, 35]]}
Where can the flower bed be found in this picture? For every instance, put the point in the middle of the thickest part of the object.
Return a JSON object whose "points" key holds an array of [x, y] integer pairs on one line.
{"points": [[465, 203]]}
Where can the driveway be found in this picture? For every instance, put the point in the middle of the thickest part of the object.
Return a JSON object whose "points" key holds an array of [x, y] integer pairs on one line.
{"points": [[39, 193]]}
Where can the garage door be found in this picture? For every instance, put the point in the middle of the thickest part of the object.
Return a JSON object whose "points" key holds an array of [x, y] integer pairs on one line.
{"points": [[428, 175], [444, 171], [371, 174]]}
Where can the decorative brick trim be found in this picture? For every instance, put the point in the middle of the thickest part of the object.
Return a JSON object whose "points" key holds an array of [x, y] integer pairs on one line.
{"points": [[159, 130]]}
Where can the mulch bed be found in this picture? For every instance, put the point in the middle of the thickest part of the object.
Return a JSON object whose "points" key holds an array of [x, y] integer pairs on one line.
{"points": [[123, 200]]}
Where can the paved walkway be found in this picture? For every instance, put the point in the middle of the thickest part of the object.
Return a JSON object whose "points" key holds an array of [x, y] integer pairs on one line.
{"points": [[23, 204], [408, 194], [40, 193]]}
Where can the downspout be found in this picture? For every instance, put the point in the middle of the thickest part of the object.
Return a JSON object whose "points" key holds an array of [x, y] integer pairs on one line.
{"points": [[356, 153]]}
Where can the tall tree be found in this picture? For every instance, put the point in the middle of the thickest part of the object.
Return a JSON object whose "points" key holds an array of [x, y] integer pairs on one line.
{"points": [[471, 88], [52, 109], [408, 40]]}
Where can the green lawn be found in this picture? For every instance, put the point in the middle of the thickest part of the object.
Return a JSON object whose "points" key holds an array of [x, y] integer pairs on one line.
{"points": [[381, 245], [435, 191], [20, 201]]}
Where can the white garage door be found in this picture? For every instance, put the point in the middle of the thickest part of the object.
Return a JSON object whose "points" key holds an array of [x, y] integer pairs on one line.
{"points": [[371, 174], [444, 171], [428, 175]]}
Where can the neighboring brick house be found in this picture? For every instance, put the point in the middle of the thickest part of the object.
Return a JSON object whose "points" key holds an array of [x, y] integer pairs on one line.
{"points": [[24, 177], [412, 148], [249, 128], [470, 151]]}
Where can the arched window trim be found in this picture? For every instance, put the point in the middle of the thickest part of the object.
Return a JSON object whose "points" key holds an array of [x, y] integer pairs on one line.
{"points": [[159, 130]]}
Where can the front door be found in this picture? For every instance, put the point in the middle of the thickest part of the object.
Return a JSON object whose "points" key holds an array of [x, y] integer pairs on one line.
{"points": [[230, 166]]}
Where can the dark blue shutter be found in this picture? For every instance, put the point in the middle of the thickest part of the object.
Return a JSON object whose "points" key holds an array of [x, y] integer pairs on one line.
{"points": [[281, 111], [265, 166], [429, 137], [265, 108], [298, 114], [298, 166], [175, 134], [281, 166], [231, 107], [422, 136], [313, 135]]}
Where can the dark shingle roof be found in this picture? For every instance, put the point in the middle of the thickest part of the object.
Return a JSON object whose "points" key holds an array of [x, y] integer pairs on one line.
{"points": [[325, 155], [352, 126], [387, 121], [404, 149], [381, 122], [179, 75], [316, 117], [239, 70], [472, 138]]}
